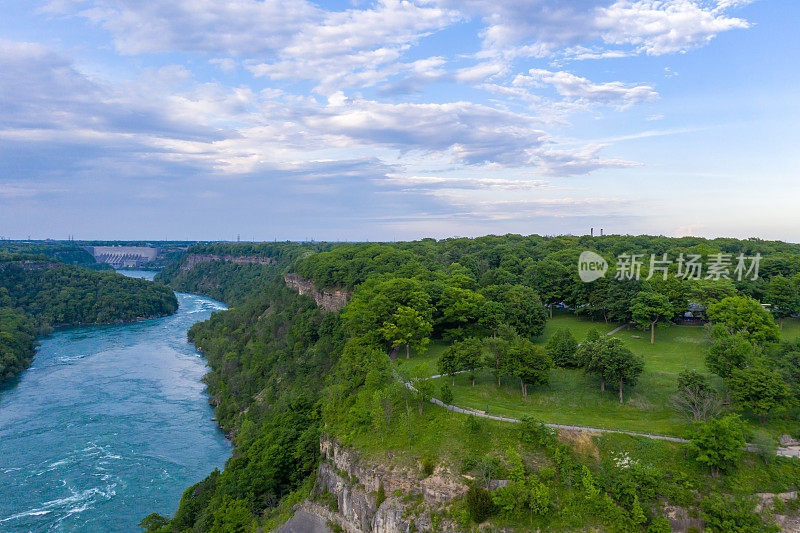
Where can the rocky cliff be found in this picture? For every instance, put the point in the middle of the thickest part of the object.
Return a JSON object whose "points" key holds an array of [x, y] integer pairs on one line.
{"points": [[346, 494], [328, 299]]}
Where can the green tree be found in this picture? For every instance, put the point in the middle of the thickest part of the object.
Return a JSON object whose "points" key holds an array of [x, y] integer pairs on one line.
{"points": [[522, 308], [563, 349], [450, 363], [758, 388], [613, 362], [723, 515], [424, 392], [153, 522], [588, 349], [549, 279], [529, 362], [718, 443], [462, 355], [446, 394], [728, 351], [744, 316], [648, 309], [783, 298], [408, 327]]}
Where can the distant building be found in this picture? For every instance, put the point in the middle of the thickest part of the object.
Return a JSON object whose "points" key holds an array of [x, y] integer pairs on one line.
{"points": [[123, 256]]}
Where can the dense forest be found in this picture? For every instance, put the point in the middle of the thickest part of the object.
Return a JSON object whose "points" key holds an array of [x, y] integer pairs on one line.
{"points": [[67, 253], [38, 294], [281, 370]]}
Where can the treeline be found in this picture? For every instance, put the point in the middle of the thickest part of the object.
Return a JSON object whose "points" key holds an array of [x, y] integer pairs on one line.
{"points": [[549, 265], [38, 294], [234, 283], [68, 253], [17, 340]]}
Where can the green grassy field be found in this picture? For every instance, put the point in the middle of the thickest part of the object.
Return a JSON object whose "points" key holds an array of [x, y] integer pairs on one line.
{"points": [[572, 397]]}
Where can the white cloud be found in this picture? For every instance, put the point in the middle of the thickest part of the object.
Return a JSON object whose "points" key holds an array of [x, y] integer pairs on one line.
{"points": [[576, 88], [647, 26], [661, 27]]}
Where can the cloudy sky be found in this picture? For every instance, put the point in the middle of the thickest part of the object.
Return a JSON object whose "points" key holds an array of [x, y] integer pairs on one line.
{"points": [[356, 120]]}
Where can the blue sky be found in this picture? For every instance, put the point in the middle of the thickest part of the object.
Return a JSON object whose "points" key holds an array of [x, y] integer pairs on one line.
{"points": [[293, 119]]}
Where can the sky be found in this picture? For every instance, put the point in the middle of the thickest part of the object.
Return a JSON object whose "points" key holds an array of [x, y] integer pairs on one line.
{"points": [[394, 120]]}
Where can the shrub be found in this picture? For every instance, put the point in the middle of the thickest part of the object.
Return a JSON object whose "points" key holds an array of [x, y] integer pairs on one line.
{"points": [[719, 442], [428, 466], [472, 425], [563, 349], [725, 515], [446, 394], [479, 504], [535, 432], [381, 496]]}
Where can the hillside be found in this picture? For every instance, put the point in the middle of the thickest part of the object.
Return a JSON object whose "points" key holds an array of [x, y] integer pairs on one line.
{"points": [[290, 380], [38, 294]]}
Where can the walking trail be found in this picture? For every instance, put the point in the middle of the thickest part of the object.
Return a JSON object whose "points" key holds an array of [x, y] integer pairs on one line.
{"points": [[783, 452]]}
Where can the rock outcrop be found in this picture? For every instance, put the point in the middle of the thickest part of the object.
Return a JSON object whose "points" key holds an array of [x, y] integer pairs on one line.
{"points": [[328, 299], [346, 494]]}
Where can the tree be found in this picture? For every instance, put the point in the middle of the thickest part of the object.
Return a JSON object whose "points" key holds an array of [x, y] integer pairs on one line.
{"points": [[446, 394], [424, 392], [588, 349], [522, 308], [470, 351], [408, 327], [497, 349], [563, 349], [462, 355], [744, 316], [719, 442], [153, 522], [530, 363], [695, 398], [449, 363], [728, 351], [613, 362], [549, 278], [648, 308], [758, 388], [783, 298]]}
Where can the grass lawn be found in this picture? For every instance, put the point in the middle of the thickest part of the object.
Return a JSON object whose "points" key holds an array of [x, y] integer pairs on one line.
{"points": [[574, 398], [790, 329], [421, 365]]}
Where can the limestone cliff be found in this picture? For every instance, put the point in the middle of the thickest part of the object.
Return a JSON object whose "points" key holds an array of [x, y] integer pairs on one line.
{"points": [[346, 494], [328, 299]]}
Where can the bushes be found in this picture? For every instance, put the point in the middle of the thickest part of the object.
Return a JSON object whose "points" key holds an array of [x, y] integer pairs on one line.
{"points": [[563, 349], [480, 505], [380, 497], [535, 432], [718, 443], [726, 516], [428, 466], [446, 394]]}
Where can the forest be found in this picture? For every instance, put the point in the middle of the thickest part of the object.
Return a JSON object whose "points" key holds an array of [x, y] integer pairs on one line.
{"points": [[477, 311], [38, 294]]}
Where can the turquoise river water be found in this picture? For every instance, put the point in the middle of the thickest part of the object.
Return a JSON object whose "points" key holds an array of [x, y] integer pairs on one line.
{"points": [[109, 424]]}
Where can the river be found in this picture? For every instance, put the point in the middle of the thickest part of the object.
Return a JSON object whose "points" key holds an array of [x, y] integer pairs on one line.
{"points": [[109, 424]]}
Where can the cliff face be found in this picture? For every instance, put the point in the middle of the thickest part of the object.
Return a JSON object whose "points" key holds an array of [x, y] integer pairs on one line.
{"points": [[412, 502], [330, 300], [190, 260]]}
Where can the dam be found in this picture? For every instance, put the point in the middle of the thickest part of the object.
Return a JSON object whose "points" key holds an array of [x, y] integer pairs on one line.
{"points": [[124, 256]]}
